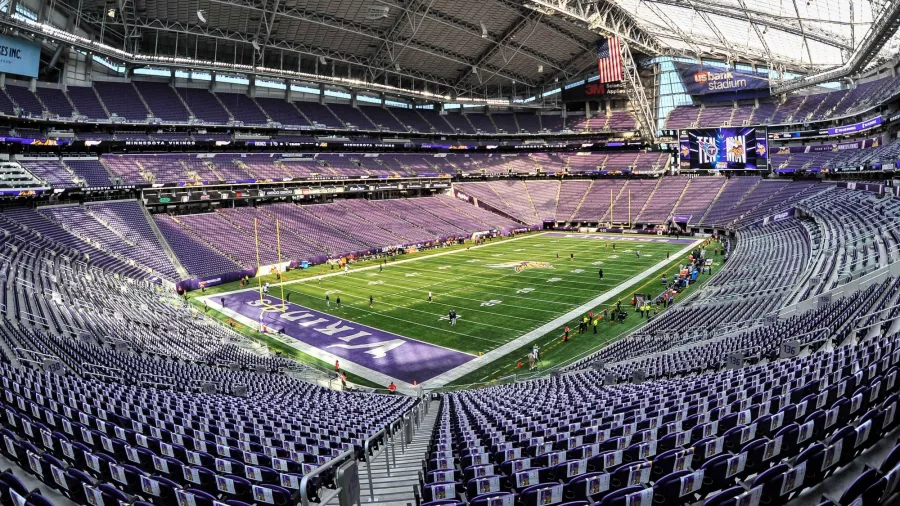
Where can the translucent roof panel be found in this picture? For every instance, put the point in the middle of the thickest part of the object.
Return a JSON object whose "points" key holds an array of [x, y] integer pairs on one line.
{"points": [[810, 34]]}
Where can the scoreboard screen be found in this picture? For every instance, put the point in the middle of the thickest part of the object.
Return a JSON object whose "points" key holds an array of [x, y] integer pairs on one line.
{"points": [[743, 148]]}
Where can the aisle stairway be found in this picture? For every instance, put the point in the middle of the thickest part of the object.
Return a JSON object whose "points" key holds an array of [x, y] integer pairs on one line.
{"points": [[581, 202], [394, 487]]}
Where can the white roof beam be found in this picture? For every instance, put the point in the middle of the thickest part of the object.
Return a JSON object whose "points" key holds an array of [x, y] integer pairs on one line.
{"points": [[880, 32], [780, 23], [602, 17], [362, 30]]}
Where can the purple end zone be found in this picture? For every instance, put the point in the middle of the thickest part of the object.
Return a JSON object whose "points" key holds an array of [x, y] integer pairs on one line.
{"points": [[396, 356], [635, 238]]}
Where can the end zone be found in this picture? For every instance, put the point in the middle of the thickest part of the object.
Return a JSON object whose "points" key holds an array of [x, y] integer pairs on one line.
{"points": [[369, 352]]}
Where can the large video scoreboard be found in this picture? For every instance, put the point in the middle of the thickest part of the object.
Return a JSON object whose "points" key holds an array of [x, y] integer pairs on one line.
{"points": [[741, 148]]}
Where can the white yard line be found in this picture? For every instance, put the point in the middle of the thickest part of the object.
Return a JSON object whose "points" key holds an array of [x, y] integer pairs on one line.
{"points": [[395, 262], [559, 268], [367, 312], [458, 372], [384, 295], [446, 377]]}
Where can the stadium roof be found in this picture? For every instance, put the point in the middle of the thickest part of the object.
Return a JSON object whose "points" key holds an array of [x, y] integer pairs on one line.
{"points": [[490, 48], [456, 45], [800, 34]]}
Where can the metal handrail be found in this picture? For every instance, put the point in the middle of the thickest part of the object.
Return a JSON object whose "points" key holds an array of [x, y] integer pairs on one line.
{"points": [[481, 384], [33, 318], [814, 331], [304, 483], [104, 372], [147, 377], [877, 321], [21, 353], [387, 436], [812, 345], [70, 328], [875, 313], [369, 461], [200, 383]]}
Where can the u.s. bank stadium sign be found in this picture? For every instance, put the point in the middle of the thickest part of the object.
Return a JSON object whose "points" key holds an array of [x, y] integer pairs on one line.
{"points": [[699, 80], [720, 80]]}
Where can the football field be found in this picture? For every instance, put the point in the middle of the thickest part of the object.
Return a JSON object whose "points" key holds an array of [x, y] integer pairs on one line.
{"points": [[502, 292]]}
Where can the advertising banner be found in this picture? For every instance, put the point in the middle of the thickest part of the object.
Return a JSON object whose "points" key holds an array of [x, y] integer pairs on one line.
{"points": [[775, 218], [593, 91], [36, 142], [839, 130], [858, 127], [833, 148], [19, 56]]}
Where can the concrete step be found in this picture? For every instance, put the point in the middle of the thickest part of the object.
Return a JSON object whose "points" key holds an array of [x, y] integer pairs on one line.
{"points": [[383, 489], [394, 480], [419, 453], [401, 460], [406, 450], [401, 467], [404, 465], [415, 449], [409, 457], [408, 468], [396, 488], [400, 463], [410, 474], [380, 500], [389, 501]]}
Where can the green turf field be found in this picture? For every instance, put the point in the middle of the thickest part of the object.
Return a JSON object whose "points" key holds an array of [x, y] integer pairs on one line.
{"points": [[496, 302]]}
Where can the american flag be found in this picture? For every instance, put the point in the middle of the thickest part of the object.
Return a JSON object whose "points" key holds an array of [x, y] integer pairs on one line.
{"points": [[609, 60]]}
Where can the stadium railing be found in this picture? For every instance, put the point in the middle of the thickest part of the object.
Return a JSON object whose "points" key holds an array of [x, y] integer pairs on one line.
{"points": [[385, 440], [34, 319], [306, 484], [877, 321], [858, 283], [381, 442], [38, 359], [103, 372], [580, 362], [505, 380]]}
